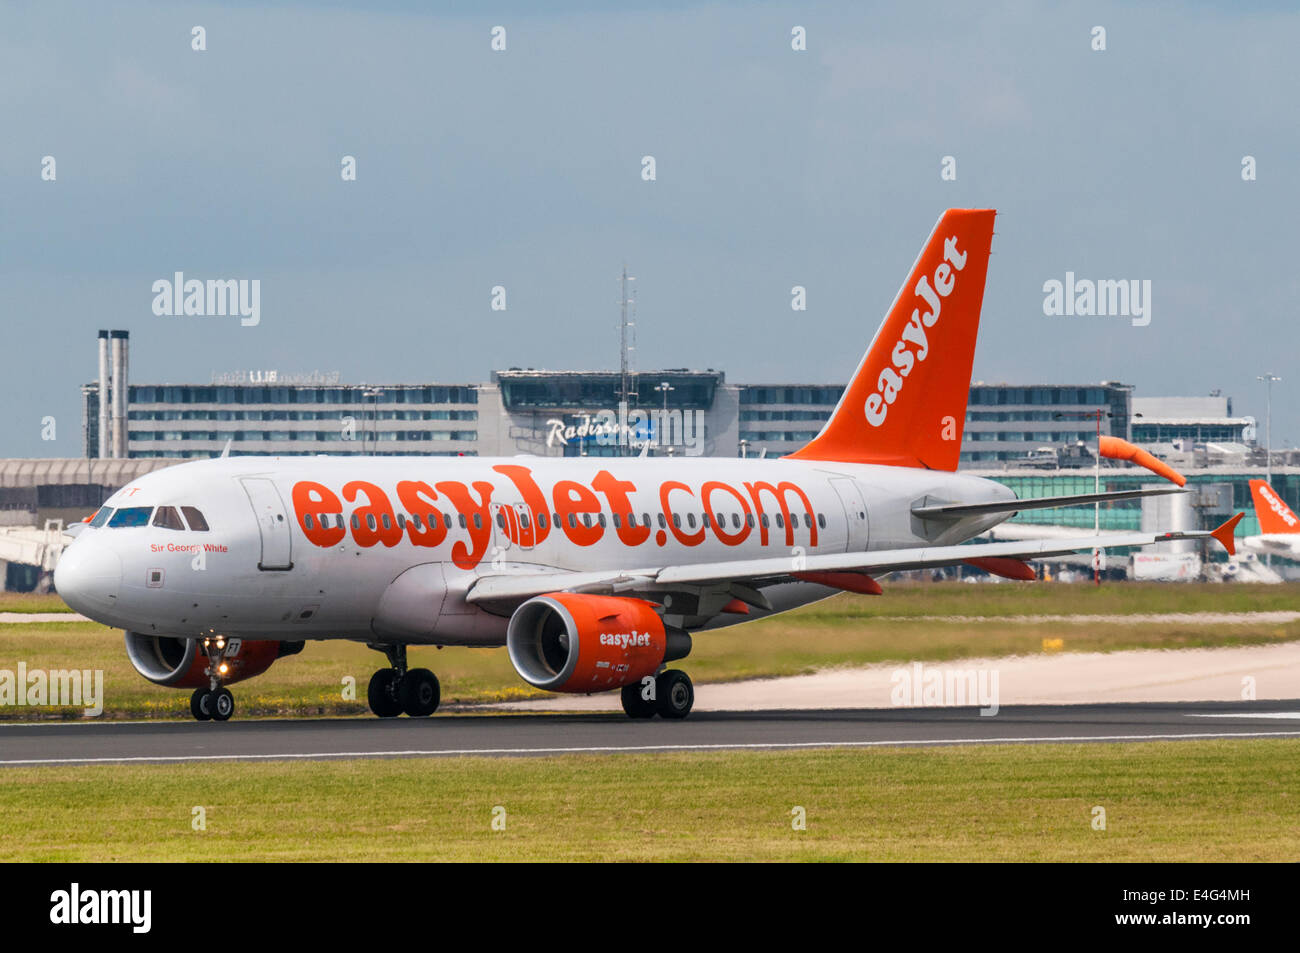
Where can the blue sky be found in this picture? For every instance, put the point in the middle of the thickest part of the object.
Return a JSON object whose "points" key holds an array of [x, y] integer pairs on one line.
{"points": [[522, 168]]}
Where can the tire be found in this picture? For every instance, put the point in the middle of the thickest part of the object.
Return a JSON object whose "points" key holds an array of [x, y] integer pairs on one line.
{"points": [[222, 704], [381, 695], [199, 707], [419, 693], [674, 694], [635, 705]]}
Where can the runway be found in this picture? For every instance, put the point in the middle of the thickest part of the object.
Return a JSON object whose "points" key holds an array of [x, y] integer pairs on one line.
{"points": [[449, 735]]}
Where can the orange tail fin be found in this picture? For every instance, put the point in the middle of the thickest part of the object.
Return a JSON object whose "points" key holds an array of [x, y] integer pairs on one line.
{"points": [[1274, 515], [906, 403]]}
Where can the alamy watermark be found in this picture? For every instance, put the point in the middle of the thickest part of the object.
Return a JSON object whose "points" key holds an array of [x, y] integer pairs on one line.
{"points": [[179, 296], [1105, 297], [60, 688], [941, 686]]}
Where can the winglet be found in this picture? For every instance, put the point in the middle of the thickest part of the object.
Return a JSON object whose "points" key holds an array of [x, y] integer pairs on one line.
{"points": [[1224, 533]]}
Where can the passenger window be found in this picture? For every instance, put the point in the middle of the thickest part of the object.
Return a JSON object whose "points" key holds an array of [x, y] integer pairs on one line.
{"points": [[722, 521], [102, 516], [401, 520], [690, 520], [677, 520], [167, 518], [618, 523], [446, 520], [388, 521], [307, 521], [663, 524], [807, 521], [735, 521], [763, 518], [645, 519], [460, 518], [356, 521], [478, 520], [523, 520], [749, 519], [417, 522], [130, 516], [192, 516], [780, 521], [586, 519], [821, 520], [541, 521], [631, 520], [601, 517], [501, 520]]}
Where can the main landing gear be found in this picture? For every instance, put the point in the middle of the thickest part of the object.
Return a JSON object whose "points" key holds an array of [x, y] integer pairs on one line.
{"points": [[399, 689], [214, 702], [669, 694]]}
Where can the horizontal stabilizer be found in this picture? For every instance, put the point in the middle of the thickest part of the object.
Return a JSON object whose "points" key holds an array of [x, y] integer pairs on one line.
{"points": [[959, 510]]}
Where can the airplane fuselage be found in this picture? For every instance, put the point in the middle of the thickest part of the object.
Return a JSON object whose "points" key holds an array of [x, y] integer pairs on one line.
{"points": [[315, 547]]}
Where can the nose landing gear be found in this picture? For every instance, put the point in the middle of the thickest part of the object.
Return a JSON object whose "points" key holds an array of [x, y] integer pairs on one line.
{"points": [[214, 702], [398, 689]]}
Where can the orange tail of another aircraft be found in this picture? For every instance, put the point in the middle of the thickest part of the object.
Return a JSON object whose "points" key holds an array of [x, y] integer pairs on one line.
{"points": [[906, 403], [1274, 515]]}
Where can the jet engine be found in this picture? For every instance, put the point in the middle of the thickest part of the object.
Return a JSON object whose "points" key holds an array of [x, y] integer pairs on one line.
{"points": [[574, 642], [180, 663]]}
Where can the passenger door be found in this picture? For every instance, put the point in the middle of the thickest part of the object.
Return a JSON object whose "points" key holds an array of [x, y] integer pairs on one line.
{"points": [[272, 523]]}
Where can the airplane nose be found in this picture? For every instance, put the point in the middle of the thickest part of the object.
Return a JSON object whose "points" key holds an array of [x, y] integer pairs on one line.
{"points": [[88, 578]]}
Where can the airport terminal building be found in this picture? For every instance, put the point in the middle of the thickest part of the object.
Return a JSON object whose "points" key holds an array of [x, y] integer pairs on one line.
{"points": [[1036, 438]]}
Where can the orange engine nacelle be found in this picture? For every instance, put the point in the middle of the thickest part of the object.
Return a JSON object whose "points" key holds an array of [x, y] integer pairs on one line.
{"points": [[181, 663], [571, 642]]}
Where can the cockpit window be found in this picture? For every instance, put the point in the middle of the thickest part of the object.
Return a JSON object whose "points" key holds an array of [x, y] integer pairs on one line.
{"points": [[168, 518], [130, 516], [102, 516], [195, 519]]}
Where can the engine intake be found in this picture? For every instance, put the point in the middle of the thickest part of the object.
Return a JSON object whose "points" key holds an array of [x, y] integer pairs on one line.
{"points": [[573, 642], [180, 663]]}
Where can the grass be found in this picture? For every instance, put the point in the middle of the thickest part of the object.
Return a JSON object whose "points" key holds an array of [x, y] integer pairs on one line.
{"points": [[32, 602], [846, 630], [1172, 801]]}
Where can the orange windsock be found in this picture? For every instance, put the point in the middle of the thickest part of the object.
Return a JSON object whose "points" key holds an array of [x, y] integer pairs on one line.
{"points": [[1118, 449]]}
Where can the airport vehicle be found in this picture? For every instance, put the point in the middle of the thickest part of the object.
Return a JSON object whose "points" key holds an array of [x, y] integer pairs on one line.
{"points": [[594, 572], [1279, 527]]}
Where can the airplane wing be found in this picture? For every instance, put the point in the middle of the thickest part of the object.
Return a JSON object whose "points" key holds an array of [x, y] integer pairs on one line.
{"points": [[507, 587]]}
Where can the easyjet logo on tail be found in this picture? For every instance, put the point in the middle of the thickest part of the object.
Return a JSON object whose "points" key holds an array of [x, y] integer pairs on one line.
{"points": [[1285, 521], [906, 403], [890, 382]]}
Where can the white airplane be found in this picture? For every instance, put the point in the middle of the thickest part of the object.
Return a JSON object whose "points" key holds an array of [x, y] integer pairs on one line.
{"points": [[1279, 528], [594, 573]]}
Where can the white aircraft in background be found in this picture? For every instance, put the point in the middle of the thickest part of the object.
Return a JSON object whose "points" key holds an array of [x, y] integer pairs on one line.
{"points": [[1279, 528], [593, 572]]}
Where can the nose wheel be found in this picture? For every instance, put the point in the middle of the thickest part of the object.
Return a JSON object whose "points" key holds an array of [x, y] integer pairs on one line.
{"points": [[395, 690], [214, 703]]}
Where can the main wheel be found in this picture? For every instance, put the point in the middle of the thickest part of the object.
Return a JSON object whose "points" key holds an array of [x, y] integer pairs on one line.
{"points": [[674, 694], [419, 693], [637, 705], [382, 694], [222, 704], [199, 705]]}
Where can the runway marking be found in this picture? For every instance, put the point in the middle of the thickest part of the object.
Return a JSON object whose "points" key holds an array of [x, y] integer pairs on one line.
{"points": [[615, 749], [1243, 714]]}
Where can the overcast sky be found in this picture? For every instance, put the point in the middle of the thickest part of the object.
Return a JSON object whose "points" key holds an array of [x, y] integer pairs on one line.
{"points": [[523, 168]]}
